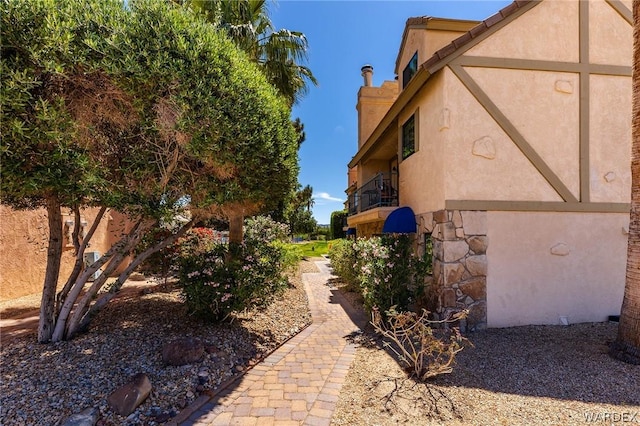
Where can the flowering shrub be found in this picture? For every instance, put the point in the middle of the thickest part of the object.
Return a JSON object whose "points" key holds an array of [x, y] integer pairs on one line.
{"points": [[386, 269], [343, 258], [217, 279]]}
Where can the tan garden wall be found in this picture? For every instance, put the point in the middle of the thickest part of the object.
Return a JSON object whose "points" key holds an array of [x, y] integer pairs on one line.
{"points": [[23, 248]]}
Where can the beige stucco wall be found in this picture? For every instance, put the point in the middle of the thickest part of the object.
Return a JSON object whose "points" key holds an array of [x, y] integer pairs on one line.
{"points": [[482, 162], [547, 32], [23, 248], [528, 284], [610, 139], [421, 183], [544, 108], [606, 31]]}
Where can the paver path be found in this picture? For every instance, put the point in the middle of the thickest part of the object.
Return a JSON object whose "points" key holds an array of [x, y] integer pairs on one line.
{"points": [[299, 383]]}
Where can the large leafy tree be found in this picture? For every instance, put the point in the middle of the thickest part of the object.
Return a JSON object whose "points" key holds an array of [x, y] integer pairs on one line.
{"points": [[627, 345], [280, 54], [143, 109]]}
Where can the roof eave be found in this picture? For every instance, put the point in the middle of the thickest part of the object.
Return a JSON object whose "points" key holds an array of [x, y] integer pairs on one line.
{"points": [[416, 83]]}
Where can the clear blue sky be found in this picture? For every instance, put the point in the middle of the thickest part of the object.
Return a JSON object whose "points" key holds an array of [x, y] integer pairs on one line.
{"points": [[343, 36]]}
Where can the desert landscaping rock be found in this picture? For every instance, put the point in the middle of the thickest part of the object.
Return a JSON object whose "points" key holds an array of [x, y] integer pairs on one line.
{"points": [[128, 397], [183, 351], [127, 338], [87, 417]]}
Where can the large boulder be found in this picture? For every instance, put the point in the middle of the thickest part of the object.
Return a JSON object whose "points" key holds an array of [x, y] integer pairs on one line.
{"points": [[183, 351], [128, 397]]}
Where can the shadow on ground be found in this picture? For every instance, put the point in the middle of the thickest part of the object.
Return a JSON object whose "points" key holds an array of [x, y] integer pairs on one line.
{"points": [[525, 360]]}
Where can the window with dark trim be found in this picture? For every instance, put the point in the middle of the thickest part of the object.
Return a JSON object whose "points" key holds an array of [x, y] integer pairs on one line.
{"points": [[409, 137], [410, 70]]}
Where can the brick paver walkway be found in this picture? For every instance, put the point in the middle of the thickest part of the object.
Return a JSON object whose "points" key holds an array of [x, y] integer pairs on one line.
{"points": [[299, 383]]}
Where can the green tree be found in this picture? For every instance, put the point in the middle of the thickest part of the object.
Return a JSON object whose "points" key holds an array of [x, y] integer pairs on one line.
{"points": [[338, 219], [280, 54], [145, 110], [298, 213]]}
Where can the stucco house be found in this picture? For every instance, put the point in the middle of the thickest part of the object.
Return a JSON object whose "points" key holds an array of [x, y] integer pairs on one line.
{"points": [[509, 139]]}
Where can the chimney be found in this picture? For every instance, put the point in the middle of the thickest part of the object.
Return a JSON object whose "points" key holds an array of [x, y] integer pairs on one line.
{"points": [[367, 73]]}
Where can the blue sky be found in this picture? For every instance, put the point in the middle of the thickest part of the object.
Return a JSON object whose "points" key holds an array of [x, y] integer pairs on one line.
{"points": [[343, 36]]}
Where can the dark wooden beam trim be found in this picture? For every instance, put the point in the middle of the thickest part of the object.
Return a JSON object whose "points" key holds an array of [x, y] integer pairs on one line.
{"points": [[513, 133], [585, 184], [536, 206], [622, 10], [539, 65]]}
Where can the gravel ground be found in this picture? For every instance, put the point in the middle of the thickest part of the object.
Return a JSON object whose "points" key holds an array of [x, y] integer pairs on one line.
{"points": [[45, 384], [538, 375], [535, 375]]}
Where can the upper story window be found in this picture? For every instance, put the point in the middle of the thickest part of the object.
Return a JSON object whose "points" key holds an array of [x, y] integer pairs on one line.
{"points": [[410, 70], [409, 137]]}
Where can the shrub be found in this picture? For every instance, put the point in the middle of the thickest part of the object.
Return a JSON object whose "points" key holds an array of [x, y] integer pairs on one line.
{"points": [[424, 351], [218, 279], [389, 271], [343, 259]]}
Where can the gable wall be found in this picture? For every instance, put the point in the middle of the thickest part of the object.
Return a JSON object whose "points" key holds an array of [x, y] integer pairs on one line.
{"points": [[539, 139]]}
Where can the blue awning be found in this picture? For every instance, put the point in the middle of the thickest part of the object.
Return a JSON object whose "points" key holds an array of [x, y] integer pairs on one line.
{"points": [[401, 221], [351, 231]]}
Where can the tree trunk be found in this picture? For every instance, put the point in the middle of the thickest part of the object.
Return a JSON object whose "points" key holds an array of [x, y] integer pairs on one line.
{"points": [[235, 229], [80, 247], [65, 311], [627, 345], [83, 312], [54, 255]]}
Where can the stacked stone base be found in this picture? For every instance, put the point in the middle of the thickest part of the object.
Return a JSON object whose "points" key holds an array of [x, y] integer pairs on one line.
{"points": [[460, 243]]}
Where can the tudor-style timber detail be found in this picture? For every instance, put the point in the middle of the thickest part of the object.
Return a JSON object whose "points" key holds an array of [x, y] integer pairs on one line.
{"points": [[585, 88], [513, 133], [520, 177], [584, 69]]}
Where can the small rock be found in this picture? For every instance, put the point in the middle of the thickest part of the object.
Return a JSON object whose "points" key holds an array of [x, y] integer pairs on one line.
{"points": [[162, 417], [239, 368], [127, 398], [87, 417], [203, 377], [181, 403], [183, 351]]}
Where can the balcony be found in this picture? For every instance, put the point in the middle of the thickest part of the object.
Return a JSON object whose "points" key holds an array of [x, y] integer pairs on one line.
{"points": [[377, 192]]}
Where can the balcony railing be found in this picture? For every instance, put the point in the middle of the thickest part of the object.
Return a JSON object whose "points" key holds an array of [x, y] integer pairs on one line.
{"points": [[377, 192]]}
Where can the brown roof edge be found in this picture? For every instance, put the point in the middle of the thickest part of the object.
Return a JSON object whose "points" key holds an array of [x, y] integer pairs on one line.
{"points": [[433, 23], [464, 42]]}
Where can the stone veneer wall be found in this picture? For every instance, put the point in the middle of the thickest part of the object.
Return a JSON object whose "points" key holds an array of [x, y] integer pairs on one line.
{"points": [[459, 263], [366, 230]]}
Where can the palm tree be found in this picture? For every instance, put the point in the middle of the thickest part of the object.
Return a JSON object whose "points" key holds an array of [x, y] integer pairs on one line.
{"points": [[627, 345], [279, 52]]}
